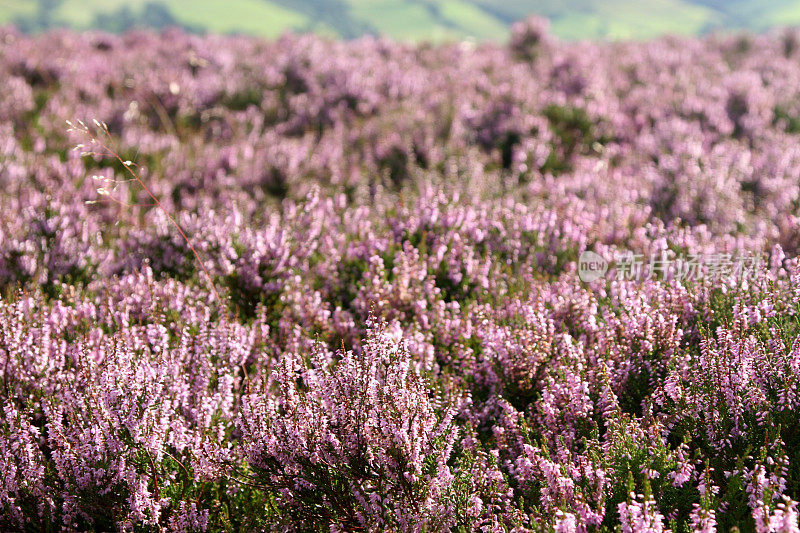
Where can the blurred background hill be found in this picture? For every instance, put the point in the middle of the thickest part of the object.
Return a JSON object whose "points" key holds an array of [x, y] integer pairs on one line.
{"points": [[407, 19]]}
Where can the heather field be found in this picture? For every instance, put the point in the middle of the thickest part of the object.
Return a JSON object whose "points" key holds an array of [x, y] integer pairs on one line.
{"points": [[532, 286]]}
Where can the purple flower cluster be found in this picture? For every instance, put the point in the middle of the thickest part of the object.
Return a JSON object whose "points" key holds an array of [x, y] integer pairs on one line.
{"points": [[403, 341]]}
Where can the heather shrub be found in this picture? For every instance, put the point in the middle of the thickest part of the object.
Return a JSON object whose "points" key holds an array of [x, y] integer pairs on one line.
{"points": [[345, 292], [530, 38], [357, 442], [113, 431], [26, 501]]}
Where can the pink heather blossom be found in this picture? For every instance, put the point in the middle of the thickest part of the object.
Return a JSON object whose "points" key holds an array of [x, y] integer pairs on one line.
{"points": [[639, 515], [402, 339]]}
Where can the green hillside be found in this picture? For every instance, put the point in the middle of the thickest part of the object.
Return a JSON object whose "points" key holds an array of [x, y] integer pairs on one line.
{"points": [[407, 19]]}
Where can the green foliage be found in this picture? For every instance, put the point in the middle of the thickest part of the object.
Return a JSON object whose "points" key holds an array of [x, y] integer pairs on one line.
{"points": [[575, 133], [407, 19], [789, 120]]}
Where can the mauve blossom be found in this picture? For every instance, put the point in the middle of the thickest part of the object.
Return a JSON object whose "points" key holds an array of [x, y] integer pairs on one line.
{"points": [[402, 339]]}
